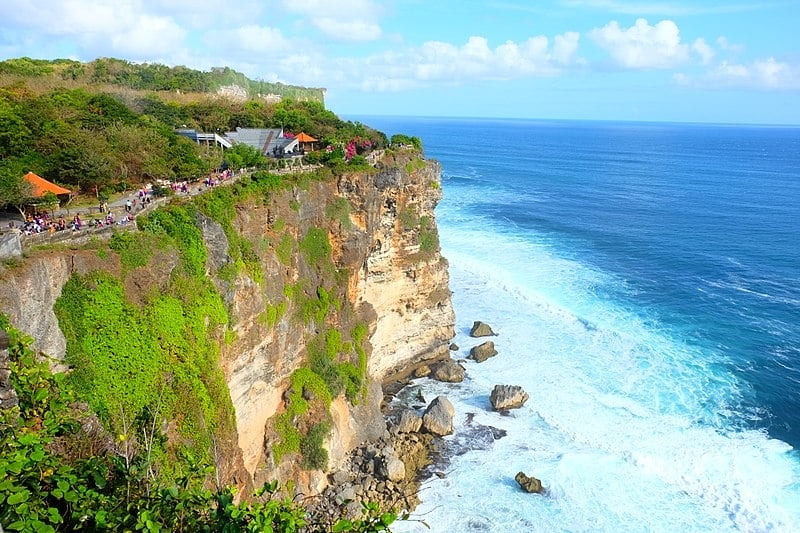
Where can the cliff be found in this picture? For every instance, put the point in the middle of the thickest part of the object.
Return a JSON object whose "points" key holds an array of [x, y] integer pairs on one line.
{"points": [[329, 285]]}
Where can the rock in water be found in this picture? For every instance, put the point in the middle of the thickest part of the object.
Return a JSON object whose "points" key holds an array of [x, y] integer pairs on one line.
{"points": [[508, 397], [482, 352], [529, 483], [438, 417], [481, 329], [449, 371]]}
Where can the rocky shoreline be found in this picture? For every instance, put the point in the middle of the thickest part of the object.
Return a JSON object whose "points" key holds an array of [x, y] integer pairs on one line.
{"points": [[390, 471]]}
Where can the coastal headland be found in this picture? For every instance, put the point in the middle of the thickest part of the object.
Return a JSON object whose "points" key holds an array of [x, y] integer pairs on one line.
{"points": [[291, 302]]}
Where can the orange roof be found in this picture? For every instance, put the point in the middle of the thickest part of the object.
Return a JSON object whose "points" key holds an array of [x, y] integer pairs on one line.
{"points": [[41, 186], [305, 138]]}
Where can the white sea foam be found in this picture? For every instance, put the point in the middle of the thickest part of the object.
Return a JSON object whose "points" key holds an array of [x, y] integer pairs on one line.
{"points": [[629, 427]]}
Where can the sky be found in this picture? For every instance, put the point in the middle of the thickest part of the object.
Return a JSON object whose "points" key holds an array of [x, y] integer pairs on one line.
{"points": [[722, 61]]}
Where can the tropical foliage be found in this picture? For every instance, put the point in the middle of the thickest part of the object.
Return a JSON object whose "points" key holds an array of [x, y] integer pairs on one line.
{"points": [[108, 125], [59, 474]]}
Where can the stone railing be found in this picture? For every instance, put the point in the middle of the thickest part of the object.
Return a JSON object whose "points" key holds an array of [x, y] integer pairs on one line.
{"points": [[84, 235]]}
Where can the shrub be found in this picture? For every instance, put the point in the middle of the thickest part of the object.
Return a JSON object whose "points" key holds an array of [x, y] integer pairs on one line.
{"points": [[315, 456], [315, 246], [134, 249], [408, 219], [428, 241], [284, 249], [359, 161]]}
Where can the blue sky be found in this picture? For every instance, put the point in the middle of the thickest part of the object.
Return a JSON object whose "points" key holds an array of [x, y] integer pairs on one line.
{"points": [[728, 61]]}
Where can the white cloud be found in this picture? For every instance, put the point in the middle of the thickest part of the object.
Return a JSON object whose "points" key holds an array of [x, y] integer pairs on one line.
{"points": [[147, 37], [642, 46], [701, 48], [565, 46], [306, 69], [98, 27], [348, 30], [763, 74], [475, 59], [728, 46], [344, 20], [249, 39], [442, 63]]}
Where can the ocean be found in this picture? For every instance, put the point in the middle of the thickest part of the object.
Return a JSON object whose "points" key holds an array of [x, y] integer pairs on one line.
{"points": [[644, 283]]}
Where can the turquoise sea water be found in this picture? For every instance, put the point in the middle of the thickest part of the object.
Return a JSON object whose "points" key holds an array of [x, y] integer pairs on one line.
{"points": [[644, 280]]}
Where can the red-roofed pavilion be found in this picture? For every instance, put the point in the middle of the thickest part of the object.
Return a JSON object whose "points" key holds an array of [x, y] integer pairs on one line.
{"points": [[306, 141], [41, 186]]}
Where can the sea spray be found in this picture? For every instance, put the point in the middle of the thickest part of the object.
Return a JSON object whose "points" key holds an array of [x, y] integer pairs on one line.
{"points": [[643, 282]]}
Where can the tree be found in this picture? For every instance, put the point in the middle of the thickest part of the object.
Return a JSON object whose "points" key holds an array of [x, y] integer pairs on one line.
{"points": [[14, 134], [243, 155], [14, 189], [185, 160], [84, 161]]}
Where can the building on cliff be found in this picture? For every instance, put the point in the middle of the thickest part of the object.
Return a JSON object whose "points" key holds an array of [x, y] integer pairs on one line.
{"points": [[271, 142]]}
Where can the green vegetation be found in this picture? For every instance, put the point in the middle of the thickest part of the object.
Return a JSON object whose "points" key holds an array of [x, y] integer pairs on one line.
{"points": [[415, 164], [428, 237], [339, 209], [150, 77], [109, 125], [220, 205], [401, 140], [330, 372], [134, 249], [315, 456], [57, 474], [359, 336], [408, 218], [273, 313], [157, 360], [305, 383], [324, 379], [285, 249], [316, 247]]}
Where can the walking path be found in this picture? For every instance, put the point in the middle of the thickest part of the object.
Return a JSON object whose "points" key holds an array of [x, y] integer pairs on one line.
{"points": [[117, 208]]}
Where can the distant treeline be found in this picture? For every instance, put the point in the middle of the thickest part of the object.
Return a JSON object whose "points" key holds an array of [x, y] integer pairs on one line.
{"points": [[152, 77]]}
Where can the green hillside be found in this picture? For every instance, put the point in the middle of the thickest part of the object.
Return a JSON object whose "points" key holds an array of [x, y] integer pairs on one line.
{"points": [[151, 77], [109, 125]]}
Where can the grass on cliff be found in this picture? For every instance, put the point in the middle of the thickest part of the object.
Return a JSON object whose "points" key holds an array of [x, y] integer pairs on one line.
{"points": [[335, 365], [137, 361], [158, 361]]}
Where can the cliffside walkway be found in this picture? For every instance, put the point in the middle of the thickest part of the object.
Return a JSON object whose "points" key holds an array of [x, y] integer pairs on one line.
{"points": [[14, 243]]}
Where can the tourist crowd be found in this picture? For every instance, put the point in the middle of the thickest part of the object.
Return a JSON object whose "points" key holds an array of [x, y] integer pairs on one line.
{"points": [[44, 223]]}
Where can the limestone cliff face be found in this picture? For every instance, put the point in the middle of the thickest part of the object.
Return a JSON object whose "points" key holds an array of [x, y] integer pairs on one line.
{"points": [[404, 278], [392, 282], [386, 274]]}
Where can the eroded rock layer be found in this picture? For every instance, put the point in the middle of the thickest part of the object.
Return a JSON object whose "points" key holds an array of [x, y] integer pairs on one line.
{"points": [[383, 273]]}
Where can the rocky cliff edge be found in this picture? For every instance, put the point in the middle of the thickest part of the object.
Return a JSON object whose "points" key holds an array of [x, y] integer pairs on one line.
{"points": [[342, 273]]}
